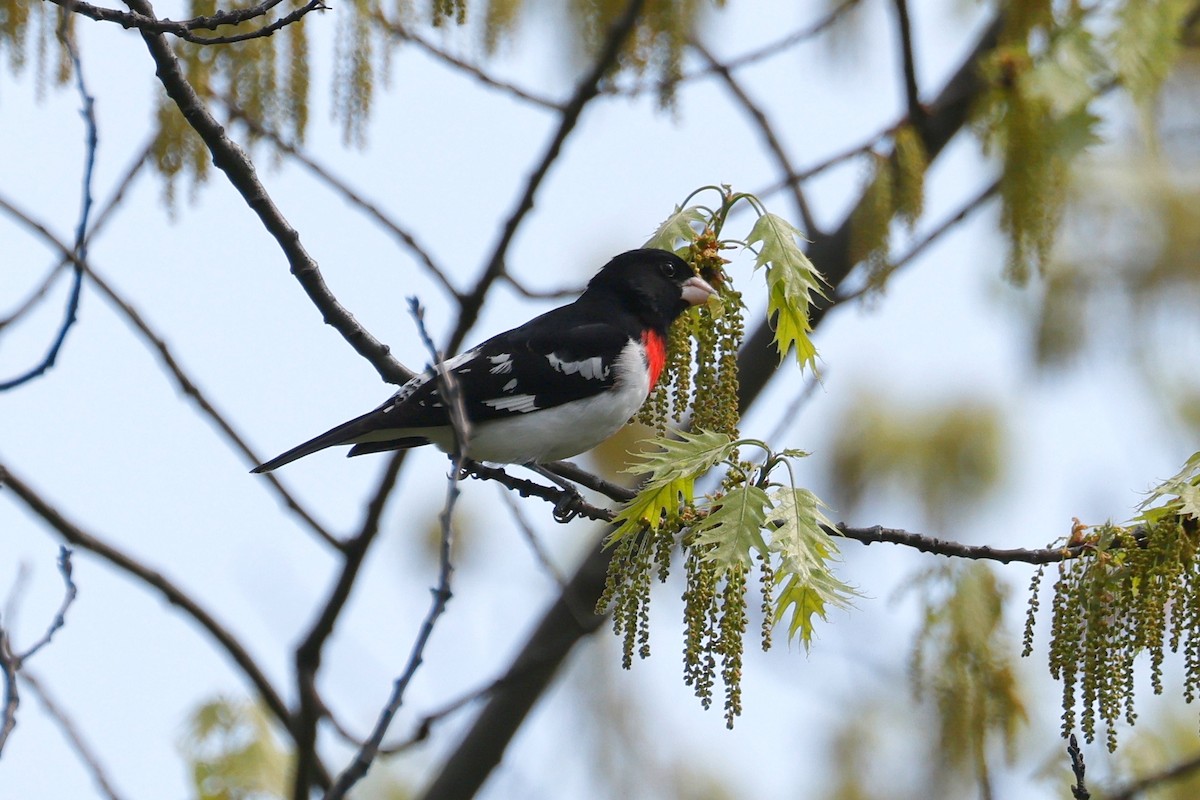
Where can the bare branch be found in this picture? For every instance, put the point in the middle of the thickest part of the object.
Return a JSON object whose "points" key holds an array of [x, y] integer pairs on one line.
{"points": [[407, 239], [308, 654], [233, 161], [456, 411], [91, 138], [1173, 773], [531, 538], [912, 94], [60, 617], [585, 92], [147, 22], [401, 31], [76, 536], [71, 732], [12, 662], [258, 33], [767, 131]]}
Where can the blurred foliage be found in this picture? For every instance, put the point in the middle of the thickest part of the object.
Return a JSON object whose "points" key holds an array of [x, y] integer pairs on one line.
{"points": [[962, 656], [1131, 241], [1170, 739], [946, 457], [234, 754]]}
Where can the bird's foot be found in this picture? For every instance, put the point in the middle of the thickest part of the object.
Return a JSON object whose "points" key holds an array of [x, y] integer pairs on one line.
{"points": [[568, 506]]}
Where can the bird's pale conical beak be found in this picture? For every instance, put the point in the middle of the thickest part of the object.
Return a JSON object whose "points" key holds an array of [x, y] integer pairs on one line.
{"points": [[696, 291]]}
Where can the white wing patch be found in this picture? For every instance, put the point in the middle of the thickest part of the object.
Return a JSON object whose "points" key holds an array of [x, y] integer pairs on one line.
{"points": [[590, 368], [502, 364], [508, 387], [522, 403]]}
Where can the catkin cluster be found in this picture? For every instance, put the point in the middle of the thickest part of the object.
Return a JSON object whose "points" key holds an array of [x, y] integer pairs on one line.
{"points": [[1133, 590], [699, 384]]}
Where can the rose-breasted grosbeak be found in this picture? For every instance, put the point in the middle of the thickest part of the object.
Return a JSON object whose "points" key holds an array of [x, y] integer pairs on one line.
{"points": [[552, 388]]}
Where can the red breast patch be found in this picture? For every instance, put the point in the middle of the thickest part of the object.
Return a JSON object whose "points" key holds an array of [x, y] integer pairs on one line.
{"points": [[656, 354]]}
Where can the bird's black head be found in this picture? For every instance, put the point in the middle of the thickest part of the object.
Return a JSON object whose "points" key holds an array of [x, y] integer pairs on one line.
{"points": [[655, 285]]}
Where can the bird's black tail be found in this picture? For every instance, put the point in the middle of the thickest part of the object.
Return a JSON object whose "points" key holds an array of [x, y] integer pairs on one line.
{"points": [[342, 434]]}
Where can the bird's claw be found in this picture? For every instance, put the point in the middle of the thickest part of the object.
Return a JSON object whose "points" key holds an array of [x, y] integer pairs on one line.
{"points": [[568, 506]]}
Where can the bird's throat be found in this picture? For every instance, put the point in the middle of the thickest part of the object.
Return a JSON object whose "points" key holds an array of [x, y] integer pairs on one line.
{"points": [[656, 354]]}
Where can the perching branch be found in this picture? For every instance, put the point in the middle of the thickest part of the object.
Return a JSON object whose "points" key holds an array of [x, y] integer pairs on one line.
{"points": [[233, 161], [559, 630]]}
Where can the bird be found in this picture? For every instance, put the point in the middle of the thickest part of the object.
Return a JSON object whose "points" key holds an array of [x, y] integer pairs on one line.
{"points": [[546, 390]]}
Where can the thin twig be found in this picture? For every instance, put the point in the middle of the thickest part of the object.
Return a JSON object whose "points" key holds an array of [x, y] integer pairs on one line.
{"points": [[400, 31], [948, 224], [1079, 790], [585, 92], [233, 161], [258, 33], [39, 292], [71, 732], [70, 591], [456, 412], [12, 662], [148, 22], [406, 238], [91, 137], [768, 134]]}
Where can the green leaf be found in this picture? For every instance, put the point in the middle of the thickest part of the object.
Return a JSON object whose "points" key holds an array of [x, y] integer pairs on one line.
{"points": [[692, 454], [1179, 495], [673, 470], [791, 281], [678, 228], [733, 527], [809, 586]]}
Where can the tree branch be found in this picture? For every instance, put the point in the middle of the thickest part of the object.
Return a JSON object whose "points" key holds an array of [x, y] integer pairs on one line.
{"points": [[456, 412], [233, 161], [91, 137], [308, 654], [406, 238], [73, 534], [585, 92], [1181, 770], [912, 94], [71, 732]]}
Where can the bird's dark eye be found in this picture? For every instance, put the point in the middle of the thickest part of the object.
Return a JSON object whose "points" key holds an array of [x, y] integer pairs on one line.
{"points": [[668, 269]]}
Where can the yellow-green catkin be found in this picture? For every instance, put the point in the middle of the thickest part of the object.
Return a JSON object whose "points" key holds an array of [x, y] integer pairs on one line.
{"points": [[1132, 590]]}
